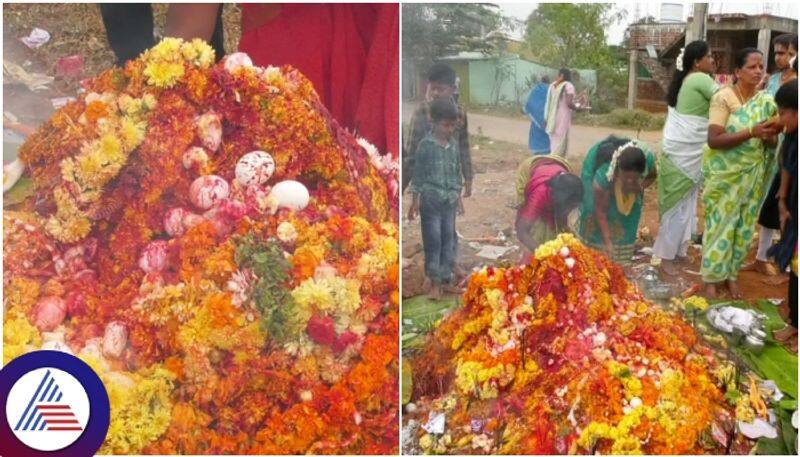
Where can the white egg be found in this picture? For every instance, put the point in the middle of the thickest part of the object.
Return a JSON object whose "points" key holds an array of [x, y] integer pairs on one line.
{"points": [[173, 221], [154, 257], [254, 168], [209, 129], [115, 339], [208, 190], [237, 60], [194, 155], [291, 194]]}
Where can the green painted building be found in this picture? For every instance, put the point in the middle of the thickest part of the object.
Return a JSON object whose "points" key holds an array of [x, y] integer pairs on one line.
{"points": [[490, 80]]}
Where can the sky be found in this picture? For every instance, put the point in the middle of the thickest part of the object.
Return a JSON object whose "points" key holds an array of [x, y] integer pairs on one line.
{"points": [[616, 32]]}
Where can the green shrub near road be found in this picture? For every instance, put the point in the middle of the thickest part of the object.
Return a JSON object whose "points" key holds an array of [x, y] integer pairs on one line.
{"points": [[635, 119]]}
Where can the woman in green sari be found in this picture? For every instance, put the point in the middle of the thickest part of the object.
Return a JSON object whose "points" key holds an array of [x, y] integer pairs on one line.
{"points": [[615, 173], [738, 161]]}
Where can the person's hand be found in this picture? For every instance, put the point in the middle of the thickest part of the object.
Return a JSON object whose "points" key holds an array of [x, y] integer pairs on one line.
{"points": [[460, 208], [467, 189], [764, 130], [413, 210], [783, 213], [609, 249]]}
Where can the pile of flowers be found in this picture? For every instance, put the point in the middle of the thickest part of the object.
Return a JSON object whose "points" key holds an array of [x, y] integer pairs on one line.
{"points": [[564, 355], [220, 251]]}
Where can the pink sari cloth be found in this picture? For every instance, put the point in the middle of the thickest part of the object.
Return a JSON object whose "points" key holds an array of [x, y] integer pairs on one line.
{"points": [[559, 137]]}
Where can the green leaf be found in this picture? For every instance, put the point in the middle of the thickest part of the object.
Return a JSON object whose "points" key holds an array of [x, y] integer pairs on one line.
{"points": [[407, 382], [788, 432], [775, 363], [732, 396], [784, 443], [21, 190], [771, 446], [261, 257], [788, 405]]}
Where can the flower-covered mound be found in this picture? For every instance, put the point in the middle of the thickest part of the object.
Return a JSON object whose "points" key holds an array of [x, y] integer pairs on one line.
{"points": [[220, 251], [564, 355]]}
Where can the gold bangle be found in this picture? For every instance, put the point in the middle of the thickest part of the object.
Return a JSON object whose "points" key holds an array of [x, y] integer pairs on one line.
{"points": [[750, 131]]}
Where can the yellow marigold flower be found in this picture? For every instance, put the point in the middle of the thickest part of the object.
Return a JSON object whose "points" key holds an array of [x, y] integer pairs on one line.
{"points": [[745, 412], [109, 149], [163, 74], [69, 230], [472, 327], [167, 49], [140, 409], [19, 337], [695, 302], [203, 53], [20, 295], [69, 224], [149, 101], [329, 295], [132, 133], [552, 247], [426, 442]]}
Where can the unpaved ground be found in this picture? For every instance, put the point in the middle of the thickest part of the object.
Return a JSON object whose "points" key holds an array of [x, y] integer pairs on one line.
{"points": [[488, 213], [75, 29]]}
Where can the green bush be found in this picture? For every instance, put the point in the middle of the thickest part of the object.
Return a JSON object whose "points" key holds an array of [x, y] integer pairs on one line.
{"points": [[634, 119]]}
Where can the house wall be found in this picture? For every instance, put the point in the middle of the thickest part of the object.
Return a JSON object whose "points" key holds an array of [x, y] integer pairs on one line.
{"points": [[508, 81], [650, 96], [659, 35]]}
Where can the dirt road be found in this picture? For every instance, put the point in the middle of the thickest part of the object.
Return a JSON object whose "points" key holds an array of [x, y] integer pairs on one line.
{"points": [[581, 137], [515, 131]]}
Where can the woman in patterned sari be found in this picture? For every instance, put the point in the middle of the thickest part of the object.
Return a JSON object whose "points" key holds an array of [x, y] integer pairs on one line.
{"points": [[738, 162], [615, 173]]}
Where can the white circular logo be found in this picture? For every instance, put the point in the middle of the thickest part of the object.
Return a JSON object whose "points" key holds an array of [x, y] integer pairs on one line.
{"points": [[47, 409]]}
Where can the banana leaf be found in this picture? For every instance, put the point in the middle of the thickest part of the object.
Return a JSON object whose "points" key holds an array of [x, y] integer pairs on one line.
{"points": [[21, 190], [775, 363], [784, 443], [407, 382], [420, 315]]}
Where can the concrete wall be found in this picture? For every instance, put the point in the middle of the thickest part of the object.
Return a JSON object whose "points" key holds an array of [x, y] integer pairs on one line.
{"points": [[508, 81]]}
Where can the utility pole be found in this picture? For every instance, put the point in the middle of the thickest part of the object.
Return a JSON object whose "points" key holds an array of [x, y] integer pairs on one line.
{"points": [[632, 71], [697, 29]]}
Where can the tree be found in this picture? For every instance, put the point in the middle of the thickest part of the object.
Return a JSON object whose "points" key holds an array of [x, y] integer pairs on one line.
{"points": [[571, 35], [574, 36], [432, 31]]}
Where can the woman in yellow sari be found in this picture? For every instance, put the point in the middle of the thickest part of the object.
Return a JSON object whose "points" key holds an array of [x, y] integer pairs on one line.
{"points": [[738, 162]]}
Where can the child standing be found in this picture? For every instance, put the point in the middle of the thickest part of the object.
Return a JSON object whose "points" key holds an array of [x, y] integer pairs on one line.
{"points": [[436, 188]]}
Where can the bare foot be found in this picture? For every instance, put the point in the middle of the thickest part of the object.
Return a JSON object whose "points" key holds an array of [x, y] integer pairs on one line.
{"points": [[669, 267], [458, 273], [451, 289], [752, 266], [765, 268], [776, 280], [435, 292], [733, 287], [784, 334], [710, 290]]}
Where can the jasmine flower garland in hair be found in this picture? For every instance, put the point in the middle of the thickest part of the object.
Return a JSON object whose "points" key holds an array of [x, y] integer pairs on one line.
{"points": [[679, 61], [613, 165]]}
